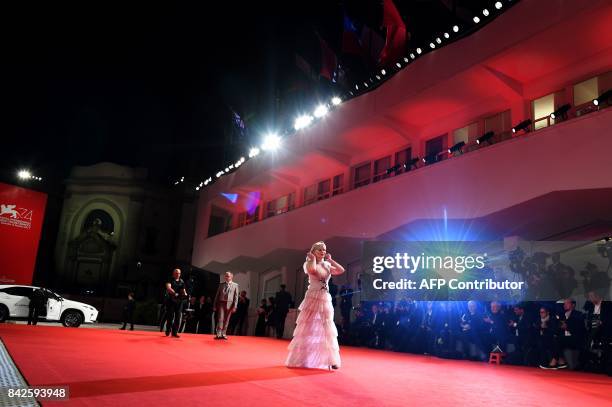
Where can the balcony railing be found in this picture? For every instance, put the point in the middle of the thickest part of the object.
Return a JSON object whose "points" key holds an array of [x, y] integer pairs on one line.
{"points": [[497, 138]]}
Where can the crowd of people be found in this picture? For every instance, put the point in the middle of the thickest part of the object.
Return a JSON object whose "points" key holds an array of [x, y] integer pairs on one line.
{"points": [[550, 335], [196, 313], [272, 313]]}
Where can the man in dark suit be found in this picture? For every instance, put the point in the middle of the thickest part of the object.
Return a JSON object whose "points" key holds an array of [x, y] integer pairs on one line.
{"points": [[573, 331], [176, 292], [599, 330], [472, 333], [225, 304], [241, 314], [496, 327], [283, 303], [522, 335], [38, 303], [346, 305], [128, 312]]}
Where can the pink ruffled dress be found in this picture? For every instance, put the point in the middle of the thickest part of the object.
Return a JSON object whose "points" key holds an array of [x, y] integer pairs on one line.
{"points": [[315, 338]]}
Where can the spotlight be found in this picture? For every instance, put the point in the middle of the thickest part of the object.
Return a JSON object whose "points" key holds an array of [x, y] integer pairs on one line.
{"points": [[219, 174], [485, 13], [524, 125], [438, 40], [498, 5], [302, 121], [419, 51], [365, 84], [446, 35], [377, 77], [457, 148], [412, 164], [197, 188], [485, 138], [431, 158], [253, 152], [412, 55], [406, 60], [561, 112], [356, 87], [271, 142], [320, 111], [604, 98], [476, 19], [398, 65], [432, 45], [456, 28], [382, 71], [336, 101], [24, 174]]}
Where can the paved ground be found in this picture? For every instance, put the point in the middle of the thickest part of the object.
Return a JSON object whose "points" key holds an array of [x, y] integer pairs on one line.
{"points": [[97, 325]]}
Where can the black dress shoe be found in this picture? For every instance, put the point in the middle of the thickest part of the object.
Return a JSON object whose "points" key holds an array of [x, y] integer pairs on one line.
{"points": [[167, 333], [335, 367], [175, 336]]}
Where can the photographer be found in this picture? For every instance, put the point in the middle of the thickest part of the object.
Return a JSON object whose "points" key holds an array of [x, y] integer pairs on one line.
{"points": [[547, 328], [472, 333], [496, 327], [599, 331], [522, 336], [572, 335], [595, 279]]}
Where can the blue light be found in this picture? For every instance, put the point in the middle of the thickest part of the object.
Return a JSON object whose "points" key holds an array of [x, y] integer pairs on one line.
{"points": [[231, 197]]}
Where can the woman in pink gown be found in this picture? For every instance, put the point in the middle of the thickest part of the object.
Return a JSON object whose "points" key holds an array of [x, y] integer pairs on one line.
{"points": [[315, 338]]}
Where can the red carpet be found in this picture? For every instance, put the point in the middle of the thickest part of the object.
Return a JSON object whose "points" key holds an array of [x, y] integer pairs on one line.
{"points": [[118, 368]]}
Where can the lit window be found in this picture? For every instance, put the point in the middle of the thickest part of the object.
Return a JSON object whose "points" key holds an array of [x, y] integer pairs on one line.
{"points": [[542, 108]]}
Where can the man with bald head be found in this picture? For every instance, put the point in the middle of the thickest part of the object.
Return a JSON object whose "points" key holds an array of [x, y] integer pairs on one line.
{"points": [[175, 289], [226, 301]]}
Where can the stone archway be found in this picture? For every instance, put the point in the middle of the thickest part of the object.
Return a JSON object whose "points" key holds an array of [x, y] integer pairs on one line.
{"points": [[89, 260]]}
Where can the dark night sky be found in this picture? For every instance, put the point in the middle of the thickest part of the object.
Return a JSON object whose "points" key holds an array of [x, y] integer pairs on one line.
{"points": [[151, 85]]}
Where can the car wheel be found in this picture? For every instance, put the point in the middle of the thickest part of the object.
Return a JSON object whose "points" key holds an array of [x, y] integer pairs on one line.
{"points": [[4, 313], [72, 319]]}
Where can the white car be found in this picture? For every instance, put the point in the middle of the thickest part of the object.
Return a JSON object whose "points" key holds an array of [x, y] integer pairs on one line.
{"points": [[15, 301]]}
